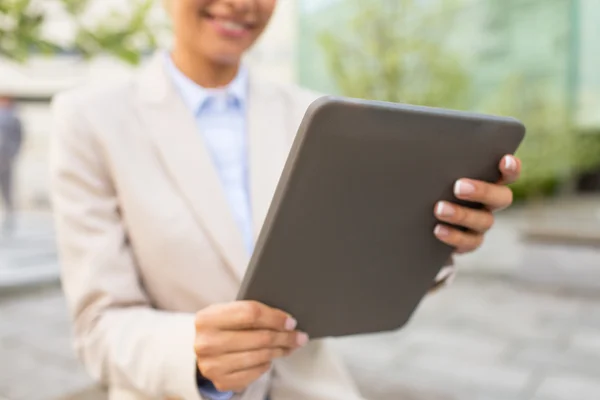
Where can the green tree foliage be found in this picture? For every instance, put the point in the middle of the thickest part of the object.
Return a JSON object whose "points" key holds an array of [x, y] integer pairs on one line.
{"points": [[125, 35], [554, 150], [394, 50], [549, 150], [390, 50]]}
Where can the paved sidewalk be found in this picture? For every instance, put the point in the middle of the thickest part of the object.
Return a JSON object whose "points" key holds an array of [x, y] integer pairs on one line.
{"points": [[521, 322], [478, 340], [487, 340], [36, 357], [28, 256], [545, 246], [574, 220]]}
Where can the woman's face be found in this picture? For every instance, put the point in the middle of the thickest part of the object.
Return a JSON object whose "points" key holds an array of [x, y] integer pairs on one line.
{"points": [[219, 30]]}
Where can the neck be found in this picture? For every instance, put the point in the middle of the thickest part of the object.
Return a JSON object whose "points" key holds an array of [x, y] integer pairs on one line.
{"points": [[204, 72]]}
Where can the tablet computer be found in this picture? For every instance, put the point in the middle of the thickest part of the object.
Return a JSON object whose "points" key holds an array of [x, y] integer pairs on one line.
{"points": [[347, 246]]}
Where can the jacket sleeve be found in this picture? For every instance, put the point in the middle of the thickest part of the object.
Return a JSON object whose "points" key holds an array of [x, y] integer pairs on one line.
{"points": [[120, 338]]}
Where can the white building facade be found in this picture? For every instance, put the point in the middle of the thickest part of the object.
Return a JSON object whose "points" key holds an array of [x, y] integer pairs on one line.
{"points": [[35, 82]]}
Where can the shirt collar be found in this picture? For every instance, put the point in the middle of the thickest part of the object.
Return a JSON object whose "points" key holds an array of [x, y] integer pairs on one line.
{"points": [[197, 97]]}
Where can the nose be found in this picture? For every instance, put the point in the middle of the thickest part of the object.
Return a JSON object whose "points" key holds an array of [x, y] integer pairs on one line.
{"points": [[241, 6]]}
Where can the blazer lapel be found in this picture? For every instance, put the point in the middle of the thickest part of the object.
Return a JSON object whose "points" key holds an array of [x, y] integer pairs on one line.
{"points": [[181, 149], [269, 135]]}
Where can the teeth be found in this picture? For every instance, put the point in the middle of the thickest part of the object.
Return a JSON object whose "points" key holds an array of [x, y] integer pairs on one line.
{"points": [[232, 25]]}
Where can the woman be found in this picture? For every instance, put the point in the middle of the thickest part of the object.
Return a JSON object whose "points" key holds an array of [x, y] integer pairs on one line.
{"points": [[11, 139], [160, 185]]}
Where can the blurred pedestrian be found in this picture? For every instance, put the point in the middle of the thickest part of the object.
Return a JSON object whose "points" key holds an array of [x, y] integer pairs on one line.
{"points": [[160, 185], [11, 137]]}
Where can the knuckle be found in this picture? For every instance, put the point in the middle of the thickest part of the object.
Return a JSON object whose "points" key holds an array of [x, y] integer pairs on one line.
{"points": [[509, 195], [270, 355], [202, 344], [203, 317], [258, 357], [251, 312], [265, 367], [291, 339], [199, 320], [482, 189], [490, 221], [267, 338], [208, 370], [204, 369], [476, 242], [249, 358], [480, 240], [276, 353], [454, 236], [460, 239], [462, 215]]}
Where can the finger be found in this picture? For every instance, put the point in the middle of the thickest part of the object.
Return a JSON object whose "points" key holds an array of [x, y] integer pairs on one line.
{"points": [[444, 278], [227, 364], [463, 242], [510, 167], [242, 315], [239, 381], [492, 196], [476, 220], [220, 342], [445, 273]]}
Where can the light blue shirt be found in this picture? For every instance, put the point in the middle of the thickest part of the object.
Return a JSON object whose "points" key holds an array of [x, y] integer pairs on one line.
{"points": [[221, 119]]}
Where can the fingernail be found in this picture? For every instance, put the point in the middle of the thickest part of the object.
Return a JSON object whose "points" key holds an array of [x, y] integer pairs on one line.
{"points": [[441, 230], [450, 278], [444, 274], [302, 339], [510, 163], [444, 209], [463, 188], [290, 324]]}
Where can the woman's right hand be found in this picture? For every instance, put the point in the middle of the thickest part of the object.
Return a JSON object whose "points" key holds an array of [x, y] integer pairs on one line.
{"points": [[236, 342]]}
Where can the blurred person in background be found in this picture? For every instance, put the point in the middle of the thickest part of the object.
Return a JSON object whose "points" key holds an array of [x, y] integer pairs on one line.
{"points": [[11, 137], [160, 186]]}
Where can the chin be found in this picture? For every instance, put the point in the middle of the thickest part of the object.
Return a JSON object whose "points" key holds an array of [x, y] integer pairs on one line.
{"points": [[227, 58]]}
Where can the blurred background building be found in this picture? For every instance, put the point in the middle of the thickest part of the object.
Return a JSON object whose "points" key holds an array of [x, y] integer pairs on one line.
{"points": [[523, 319], [548, 42], [35, 81], [533, 59], [526, 58]]}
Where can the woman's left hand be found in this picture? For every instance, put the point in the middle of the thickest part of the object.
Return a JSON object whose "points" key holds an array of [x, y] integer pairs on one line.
{"points": [[494, 197]]}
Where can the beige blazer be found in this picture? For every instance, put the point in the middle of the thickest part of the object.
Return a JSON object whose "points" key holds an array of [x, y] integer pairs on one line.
{"points": [[146, 238]]}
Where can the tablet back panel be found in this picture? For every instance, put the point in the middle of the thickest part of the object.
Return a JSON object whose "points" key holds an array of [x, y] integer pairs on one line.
{"points": [[348, 246]]}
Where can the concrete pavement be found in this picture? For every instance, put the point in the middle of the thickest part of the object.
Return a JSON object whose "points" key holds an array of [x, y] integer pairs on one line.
{"points": [[36, 358], [483, 339], [575, 221], [478, 340], [522, 322], [28, 256], [555, 244]]}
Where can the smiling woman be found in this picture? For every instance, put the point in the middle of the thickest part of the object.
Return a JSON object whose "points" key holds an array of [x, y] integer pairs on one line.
{"points": [[217, 32], [209, 138], [160, 186]]}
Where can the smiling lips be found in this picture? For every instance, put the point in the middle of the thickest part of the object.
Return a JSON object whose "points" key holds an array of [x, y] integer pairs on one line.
{"points": [[229, 27]]}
